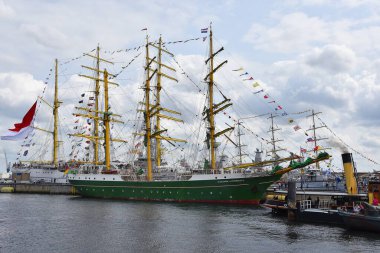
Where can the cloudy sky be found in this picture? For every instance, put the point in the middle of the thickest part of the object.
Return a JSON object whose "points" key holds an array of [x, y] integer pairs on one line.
{"points": [[306, 54]]}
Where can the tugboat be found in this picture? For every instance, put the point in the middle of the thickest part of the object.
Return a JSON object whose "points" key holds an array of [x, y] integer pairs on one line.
{"points": [[367, 216], [321, 206]]}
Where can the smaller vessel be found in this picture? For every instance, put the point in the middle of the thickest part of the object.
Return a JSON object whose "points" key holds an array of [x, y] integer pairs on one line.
{"points": [[368, 219], [322, 199]]}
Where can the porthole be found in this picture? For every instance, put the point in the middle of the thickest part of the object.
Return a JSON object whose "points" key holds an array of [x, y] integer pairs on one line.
{"points": [[210, 193]]}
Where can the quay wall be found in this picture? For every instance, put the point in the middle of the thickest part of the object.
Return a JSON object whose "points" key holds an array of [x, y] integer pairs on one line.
{"points": [[45, 188]]}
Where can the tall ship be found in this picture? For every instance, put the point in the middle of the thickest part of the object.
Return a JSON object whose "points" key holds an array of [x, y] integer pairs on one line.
{"points": [[149, 178], [52, 169]]}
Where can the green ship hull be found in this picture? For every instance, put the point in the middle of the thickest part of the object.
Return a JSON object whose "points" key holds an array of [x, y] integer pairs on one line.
{"points": [[247, 190]]}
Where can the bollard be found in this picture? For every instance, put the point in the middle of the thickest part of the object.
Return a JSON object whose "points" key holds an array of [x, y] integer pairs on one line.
{"points": [[292, 200]]}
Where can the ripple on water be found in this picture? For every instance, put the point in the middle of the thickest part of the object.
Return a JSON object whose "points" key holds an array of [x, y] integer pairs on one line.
{"points": [[43, 223]]}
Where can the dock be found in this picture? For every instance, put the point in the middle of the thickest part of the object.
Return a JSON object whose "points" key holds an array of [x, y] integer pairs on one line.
{"points": [[40, 188]]}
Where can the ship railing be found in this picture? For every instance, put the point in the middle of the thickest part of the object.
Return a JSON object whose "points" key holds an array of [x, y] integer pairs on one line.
{"points": [[305, 204], [324, 204]]}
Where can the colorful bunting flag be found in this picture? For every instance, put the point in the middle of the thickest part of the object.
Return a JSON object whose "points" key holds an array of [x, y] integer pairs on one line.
{"points": [[255, 84], [296, 127], [239, 69], [204, 30]]}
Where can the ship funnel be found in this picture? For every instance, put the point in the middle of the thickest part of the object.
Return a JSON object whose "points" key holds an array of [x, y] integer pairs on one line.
{"points": [[348, 165]]}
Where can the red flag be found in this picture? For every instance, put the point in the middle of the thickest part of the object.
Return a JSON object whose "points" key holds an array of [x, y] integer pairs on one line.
{"points": [[26, 120], [266, 96], [23, 129]]}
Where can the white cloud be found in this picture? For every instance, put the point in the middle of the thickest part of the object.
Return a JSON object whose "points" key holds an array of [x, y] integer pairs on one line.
{"points": [[18, 89], [332, 58], [294, 32], [5, 10], [45, 35]]}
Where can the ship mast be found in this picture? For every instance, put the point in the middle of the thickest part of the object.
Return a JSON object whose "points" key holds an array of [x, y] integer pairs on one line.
{"points": [[95, 114], [211, 106], [315, 140], [151, 110], [157, 109], [158, 100], [147, 114], [273, 140], [106, 121], [239, 143], [213, 109], [55, 113]]}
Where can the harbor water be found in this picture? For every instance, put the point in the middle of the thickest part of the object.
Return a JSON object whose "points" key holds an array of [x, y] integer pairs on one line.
{"points": [[51, 223]]}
